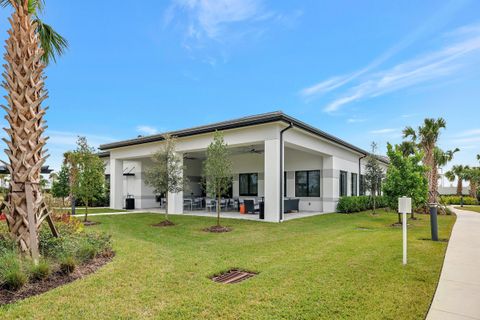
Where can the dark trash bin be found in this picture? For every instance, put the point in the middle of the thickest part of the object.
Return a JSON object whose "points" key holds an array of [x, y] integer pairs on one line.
{"points": [[261, 213], [130, 203]]}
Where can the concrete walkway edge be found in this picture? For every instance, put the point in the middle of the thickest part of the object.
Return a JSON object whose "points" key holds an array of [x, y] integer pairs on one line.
{"points": [[458, 292]]}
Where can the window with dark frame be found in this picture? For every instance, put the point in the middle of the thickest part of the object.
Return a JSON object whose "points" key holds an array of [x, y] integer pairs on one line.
{"points": [[248, 184], [307, 183], [285, 183], [343, 183], [362, 185], [354, 184]]}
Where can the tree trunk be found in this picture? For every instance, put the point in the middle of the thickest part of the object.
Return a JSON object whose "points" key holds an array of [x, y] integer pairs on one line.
{"points": [[218, 210], [374, 205], [473, 189], [24, 83], [86, 211], [429, 162], [166, 208], [63, 204], [459, 186]]}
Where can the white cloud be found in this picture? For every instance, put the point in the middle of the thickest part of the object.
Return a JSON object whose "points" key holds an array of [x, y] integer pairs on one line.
{"points": [[460, 51], [427, 27], [210, 18], [447, 61], [471, 132], [384, 131], [147, 130], [61, 141], [355, 120]]}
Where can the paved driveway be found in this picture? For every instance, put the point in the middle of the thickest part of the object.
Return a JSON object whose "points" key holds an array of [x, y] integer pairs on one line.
{"points": [[458, 292]]}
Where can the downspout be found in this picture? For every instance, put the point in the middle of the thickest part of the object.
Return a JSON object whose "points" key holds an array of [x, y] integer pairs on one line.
{"points": [[360, 171], [281, 169]]}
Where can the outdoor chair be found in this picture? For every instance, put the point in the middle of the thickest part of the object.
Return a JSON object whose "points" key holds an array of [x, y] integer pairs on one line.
{"points": [[249, 206]]}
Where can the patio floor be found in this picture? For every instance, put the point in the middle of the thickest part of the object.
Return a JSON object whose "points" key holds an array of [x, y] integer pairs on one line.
{"points": [[233, 215]]}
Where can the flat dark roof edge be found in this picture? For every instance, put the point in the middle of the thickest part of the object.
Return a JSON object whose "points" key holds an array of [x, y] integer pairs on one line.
{"points": [[232, 124]]}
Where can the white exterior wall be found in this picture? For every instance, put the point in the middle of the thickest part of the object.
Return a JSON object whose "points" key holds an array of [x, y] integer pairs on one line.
{"points": [[297, 160], [303, 151], [335, 158]]}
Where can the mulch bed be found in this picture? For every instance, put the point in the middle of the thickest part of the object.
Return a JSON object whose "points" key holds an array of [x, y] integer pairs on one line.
{"points": [[90, 223], [164, 223], [55, 280], [217, 229]]}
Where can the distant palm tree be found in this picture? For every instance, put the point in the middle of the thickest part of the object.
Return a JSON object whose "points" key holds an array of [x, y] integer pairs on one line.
{"points": [[473, 176], [458, 172], [426, 137], [30, 46]]}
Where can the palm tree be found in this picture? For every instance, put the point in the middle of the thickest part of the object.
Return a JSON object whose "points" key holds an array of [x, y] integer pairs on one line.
{"points": [[31, 45], [458, 172], [426, 138], [473, 176]]}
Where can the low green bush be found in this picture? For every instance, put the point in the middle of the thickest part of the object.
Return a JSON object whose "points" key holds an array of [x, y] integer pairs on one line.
{"points": [[86, 252], [12, 275], [359, 203], [40, 271], [68, 264], [448, 200]]}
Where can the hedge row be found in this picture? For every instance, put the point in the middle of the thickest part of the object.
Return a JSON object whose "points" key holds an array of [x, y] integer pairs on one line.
{"points": [[360, 203], [457, 200]]}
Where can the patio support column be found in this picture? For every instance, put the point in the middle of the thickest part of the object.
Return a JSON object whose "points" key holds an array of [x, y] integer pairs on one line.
{"points": [[272, 180], [330, 186], [175, 200], [116, 184]]}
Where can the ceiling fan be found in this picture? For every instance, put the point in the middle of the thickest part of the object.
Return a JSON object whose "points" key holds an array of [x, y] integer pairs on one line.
{"points": [[253, 150]]}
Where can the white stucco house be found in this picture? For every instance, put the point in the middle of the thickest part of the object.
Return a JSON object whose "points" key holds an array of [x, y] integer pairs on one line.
{"points": [[278, 161]]}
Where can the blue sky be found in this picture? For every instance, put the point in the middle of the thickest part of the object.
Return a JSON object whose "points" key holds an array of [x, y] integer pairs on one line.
{"points": [[361, 70]]}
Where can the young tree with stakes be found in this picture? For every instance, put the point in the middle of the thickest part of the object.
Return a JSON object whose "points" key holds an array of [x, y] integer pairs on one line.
{"points": [[373, 175], [217, 170], [30, 46], [90, 174], [166, 174]]}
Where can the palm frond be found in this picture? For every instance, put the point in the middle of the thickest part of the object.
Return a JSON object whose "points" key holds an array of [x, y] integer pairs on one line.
{"points": [[52, 43]]}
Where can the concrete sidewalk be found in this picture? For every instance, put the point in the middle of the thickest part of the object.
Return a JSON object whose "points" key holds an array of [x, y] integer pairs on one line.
{"points": [[458, 292]]}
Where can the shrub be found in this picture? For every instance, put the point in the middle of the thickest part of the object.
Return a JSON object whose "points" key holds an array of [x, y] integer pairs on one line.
{"points": [[86, 252], [448, 200], [67, 264], [40, 271], [359, 203], [12, 277], [7, 244]]}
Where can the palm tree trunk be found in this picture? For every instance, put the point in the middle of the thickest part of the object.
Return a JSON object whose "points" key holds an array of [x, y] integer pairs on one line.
{"points": [[429, 162], [473, 189], [24, 83], [459, 186]]}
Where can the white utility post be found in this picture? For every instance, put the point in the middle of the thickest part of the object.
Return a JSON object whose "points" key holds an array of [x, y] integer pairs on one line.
{"points": [[404, 207]]}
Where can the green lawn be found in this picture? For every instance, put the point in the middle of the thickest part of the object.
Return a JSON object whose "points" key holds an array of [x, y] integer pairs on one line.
{"points": [[92, 210], [333, 266], [470, 208]]}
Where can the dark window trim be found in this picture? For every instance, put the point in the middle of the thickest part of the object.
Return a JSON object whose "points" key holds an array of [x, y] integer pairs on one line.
{"points": [[308, 183], [249, 192], [343, 192], [354, 178]]}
